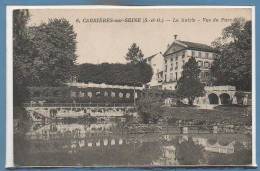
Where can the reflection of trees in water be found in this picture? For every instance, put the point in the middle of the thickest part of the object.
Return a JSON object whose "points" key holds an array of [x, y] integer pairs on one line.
{"points": [[147, 152], [212, 141], [127, 154], [67, 148], [53, 151], [20, 143], [58, 151], [188, 153], [241, 156]]}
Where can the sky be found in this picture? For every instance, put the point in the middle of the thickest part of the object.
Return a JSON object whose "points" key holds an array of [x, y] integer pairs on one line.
{"points": [[99, 42]]}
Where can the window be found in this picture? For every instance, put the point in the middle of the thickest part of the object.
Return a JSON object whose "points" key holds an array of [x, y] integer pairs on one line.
{"points": [[176, 76], [199, 63], [206, 64], [201, 76], [171, 76], [206, 75], [105, 93], [176, 65], [171, 59], [165, 61], [165, 68], [176, 58], [171, 67]]}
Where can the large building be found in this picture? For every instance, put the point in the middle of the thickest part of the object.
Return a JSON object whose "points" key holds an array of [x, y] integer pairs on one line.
{"points": [[178, 53], [175, 56]]}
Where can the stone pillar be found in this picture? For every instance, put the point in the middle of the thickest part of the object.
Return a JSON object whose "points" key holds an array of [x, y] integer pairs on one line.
{"points": [[207, 100], [234, 100], [245, 99], [113, 142], [120, 141], [219, 100], [105, 141], [98, 143], [89, 144]]}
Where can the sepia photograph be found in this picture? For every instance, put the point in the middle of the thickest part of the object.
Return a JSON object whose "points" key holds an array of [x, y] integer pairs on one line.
{"points": [[119, 86]]}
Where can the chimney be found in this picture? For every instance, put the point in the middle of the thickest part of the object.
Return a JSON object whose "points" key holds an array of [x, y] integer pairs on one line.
{"points": [[175, 36]]}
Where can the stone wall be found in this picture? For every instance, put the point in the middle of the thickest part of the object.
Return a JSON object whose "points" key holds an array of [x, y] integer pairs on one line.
{"points": [[82, 95]]}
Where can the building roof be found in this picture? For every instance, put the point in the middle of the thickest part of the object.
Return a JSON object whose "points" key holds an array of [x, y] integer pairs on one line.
{"points": [[190, 45], [197, 46], [150, 57]]}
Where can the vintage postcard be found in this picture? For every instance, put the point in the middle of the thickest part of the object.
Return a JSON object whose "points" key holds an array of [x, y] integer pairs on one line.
{"points": [[118, 86]]}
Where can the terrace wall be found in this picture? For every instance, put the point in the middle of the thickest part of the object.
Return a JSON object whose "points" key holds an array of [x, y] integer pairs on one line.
{"points": [[82, 95]]}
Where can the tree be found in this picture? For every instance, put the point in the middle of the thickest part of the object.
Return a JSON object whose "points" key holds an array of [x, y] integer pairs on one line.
{"points": [[134, 54], [234, 62], [22, 55], [189, 153], [189, 85], [54, 46], [149, 109], [115, 74]]}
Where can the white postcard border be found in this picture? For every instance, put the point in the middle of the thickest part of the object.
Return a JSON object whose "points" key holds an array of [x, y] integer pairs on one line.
{"points": [[9, 64]]}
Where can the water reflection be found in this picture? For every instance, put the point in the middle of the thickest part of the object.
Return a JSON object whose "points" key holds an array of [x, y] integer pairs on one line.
{"points": [[111, 143]]}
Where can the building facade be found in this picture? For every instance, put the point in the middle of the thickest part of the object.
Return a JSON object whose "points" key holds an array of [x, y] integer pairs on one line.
{"points": [[156, 61], [178, 53], [167, 67]]}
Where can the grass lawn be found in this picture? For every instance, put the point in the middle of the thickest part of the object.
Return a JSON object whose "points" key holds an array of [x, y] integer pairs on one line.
{"points": [[234, 114]]}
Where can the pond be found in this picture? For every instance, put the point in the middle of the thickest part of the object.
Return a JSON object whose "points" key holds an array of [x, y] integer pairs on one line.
{"points": [[116, 143]]}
